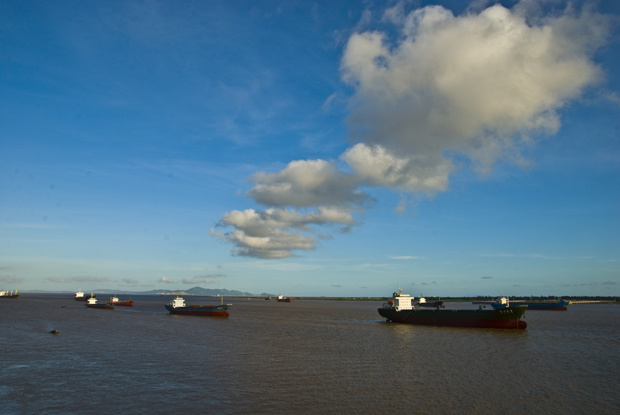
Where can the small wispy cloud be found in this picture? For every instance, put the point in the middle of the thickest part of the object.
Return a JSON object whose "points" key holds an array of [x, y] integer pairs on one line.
{"points": [[405, 257], [595, 283], [90, 279], [58, 280], [203, 279], [166, 279], [533, 255], [29, 226], [486, 277], [10, 279]]}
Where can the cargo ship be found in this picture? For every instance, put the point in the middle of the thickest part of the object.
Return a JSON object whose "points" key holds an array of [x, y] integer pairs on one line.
{"points": [[401, 310], [284, 299], [127, 303], [9, 295], [177, 306], [92, 303], [79, 296], [560, 305], [433, 304]]}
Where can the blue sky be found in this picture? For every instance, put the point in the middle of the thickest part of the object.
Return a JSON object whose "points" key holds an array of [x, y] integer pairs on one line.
{"points": [[311, 147]]}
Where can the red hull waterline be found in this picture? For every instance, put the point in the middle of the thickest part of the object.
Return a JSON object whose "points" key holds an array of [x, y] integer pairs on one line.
{"points": [[9, 295], [124, 303], [201, 313]]}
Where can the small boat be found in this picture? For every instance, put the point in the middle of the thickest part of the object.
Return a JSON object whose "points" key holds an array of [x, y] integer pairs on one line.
{"points": [[79, 296], [284, 299], [560, 305], [434, 304], [9, 295], [400, 309], [92, 303], [177, 306], [115, 301], [268, 298]]}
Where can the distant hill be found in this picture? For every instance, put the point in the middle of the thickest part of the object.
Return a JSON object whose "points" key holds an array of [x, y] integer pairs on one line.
{"points": [[207, 292], [191, 291]]}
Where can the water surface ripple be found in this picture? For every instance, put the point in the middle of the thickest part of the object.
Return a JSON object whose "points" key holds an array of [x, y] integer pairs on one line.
{"points": [[303, 357]]}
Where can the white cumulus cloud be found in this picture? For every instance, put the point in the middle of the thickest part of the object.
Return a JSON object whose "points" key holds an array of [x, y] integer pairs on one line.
{"points": [[478, 88], [479, 84]]}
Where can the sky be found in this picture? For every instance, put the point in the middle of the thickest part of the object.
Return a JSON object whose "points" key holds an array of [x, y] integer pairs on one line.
{"points": [[311, 148]]}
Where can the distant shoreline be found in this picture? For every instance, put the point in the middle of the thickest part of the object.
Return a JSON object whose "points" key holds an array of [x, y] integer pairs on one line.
{"points": [[574, 299]]}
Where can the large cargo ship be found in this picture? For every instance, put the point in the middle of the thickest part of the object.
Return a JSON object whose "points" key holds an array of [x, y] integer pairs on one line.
{"points": [[177, 306], [9, 295], [92, 303], [559, 305], [400, 310]]}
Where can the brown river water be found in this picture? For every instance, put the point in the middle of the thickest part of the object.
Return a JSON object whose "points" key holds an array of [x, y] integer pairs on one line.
{"points": [[303, 357]]}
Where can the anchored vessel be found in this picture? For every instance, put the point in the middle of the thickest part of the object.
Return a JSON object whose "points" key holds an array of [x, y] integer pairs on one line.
{"points": [[9, 295], [284, 299], [79, 296], [532, 305], [92, 303], [401, 310], [434, 304], [115, 301], [177, 306]]}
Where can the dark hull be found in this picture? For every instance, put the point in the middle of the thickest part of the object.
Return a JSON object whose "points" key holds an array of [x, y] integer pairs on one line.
{"points": [[203, 311], [506, 318], [9, 297], [284, 300], [102, 306]]}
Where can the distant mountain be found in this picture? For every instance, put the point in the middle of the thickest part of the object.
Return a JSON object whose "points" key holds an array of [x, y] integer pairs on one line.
{"points": [[191, 291], [208, 292]]}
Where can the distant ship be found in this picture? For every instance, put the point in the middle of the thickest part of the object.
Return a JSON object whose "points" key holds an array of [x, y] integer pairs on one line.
{"points": [[284, 299], [9, 295], [560, 305], [79, 296], [92, 303], [401, 310], [434, 304], [115, 301], [177, 306]]}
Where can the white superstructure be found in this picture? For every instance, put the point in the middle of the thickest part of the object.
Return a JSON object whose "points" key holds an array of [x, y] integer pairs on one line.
{"points": [[177, 302], [402, 301]]}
